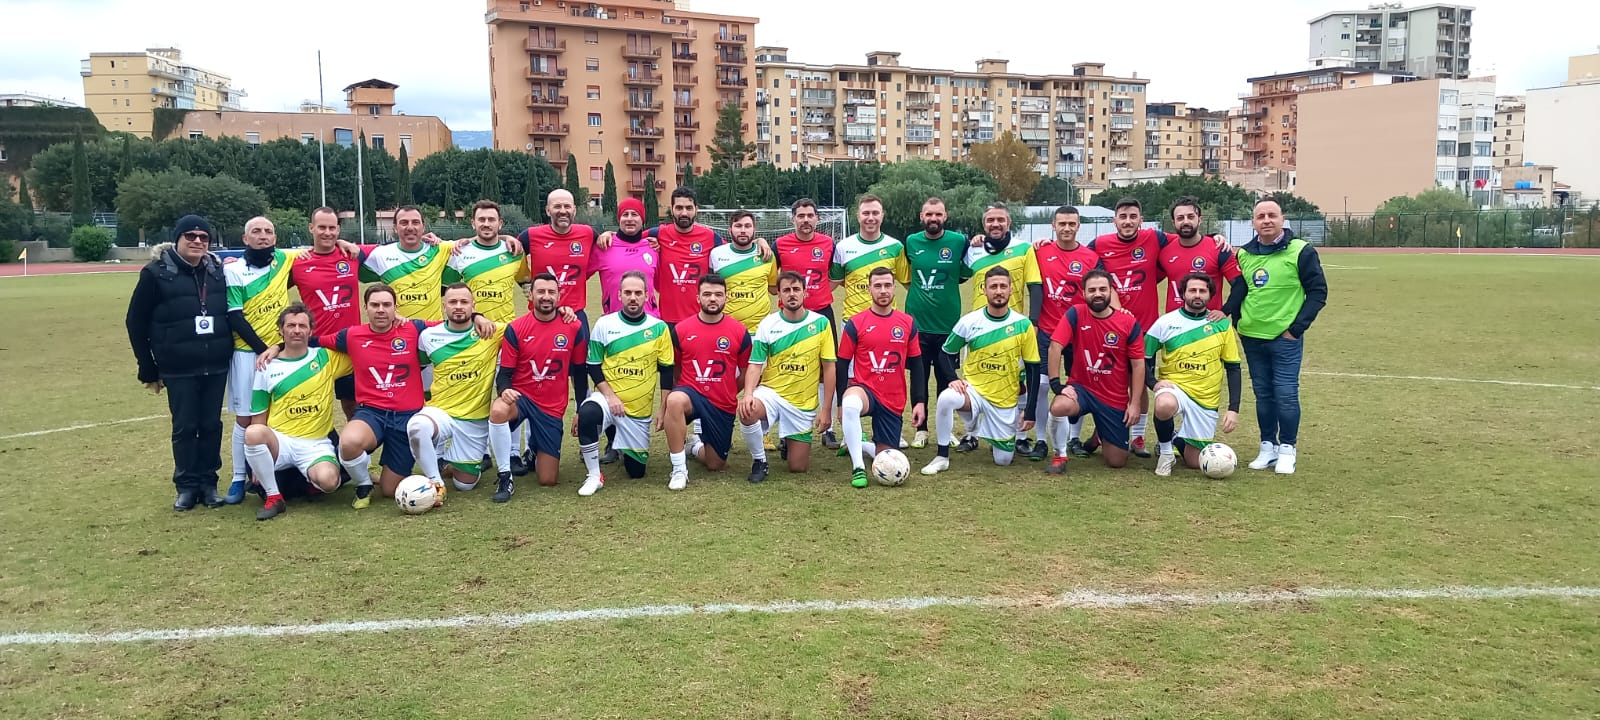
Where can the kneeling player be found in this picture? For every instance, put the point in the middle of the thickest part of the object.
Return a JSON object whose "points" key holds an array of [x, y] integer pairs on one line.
{"points": [[713, 349], [1101, 352], [790, 354], [998, 342], [630, 352], [879, 343], [292, 405], [455, 421], [1196, 353], [540, 353]]}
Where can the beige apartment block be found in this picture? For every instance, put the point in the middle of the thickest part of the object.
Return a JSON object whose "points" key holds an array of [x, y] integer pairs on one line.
{"points": [[1582, 69], [638, 83], [370, 106], [1178, 137], [1509, 114], [1081, 125], [123, 89], [1361, 146], [1272, 110]]}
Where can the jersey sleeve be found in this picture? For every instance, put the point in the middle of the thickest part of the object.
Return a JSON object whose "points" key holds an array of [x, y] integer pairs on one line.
{"points": [[580, 343], [260, 394], [597, 352], [716, 238], [1066, 328], [1230, 347], [339, 364], [1030, 345], [666, 354], [337, 341], [745, 346], [1151, 345], [508, 350], [847, 340], [829, 353], [836, 270], [1134, 344], [956, 340], [1228, 260], [235, 291], [902, 267], [758, 352], [1030, 268], [915, 341]]}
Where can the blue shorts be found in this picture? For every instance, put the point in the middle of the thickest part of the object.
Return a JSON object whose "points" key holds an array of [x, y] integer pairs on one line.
{"points": [[544, 432], [1109, 424], [389, 427], [886, 424], [716, 424]]}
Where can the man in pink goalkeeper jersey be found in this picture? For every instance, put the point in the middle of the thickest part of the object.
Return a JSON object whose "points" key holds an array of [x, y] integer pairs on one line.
{"points": [[629, 250]]}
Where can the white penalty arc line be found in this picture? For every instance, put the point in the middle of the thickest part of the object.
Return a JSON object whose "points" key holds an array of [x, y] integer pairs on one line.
{"points": [[85, 426], [1076, 599], [1432, 378]]}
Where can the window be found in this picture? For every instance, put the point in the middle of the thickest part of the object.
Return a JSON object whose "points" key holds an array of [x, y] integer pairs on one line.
{"points": [[1508, 147], [254, 138], [596, 173], [343, 137], [591, 37], [2, 153], [377, 142], [1482, 149], [405, 142], [1344, 36], [591, 64], [594, 147], [307, 138], [1449, 97], [1447, 148], [594, 119], [592, 92], [372, 110], [195, 134]]}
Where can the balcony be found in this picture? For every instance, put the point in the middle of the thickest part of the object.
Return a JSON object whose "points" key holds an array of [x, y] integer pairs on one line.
{"points": [[721, 104], [1035, 135], [814, 101], [534, 45], [730, 39], [685, 57], [638, 106], [642, 131], [546, 73], [733, 59], [646, 79], [681, 104], [827, 120], [1121, 139], [691, 125], [165, 73], [639, 186], [919, 135], [635, 52], [643, 160], [1255, 146], [548, 101], [687, 149], [732, 82], [685, 80], [549, 129]]}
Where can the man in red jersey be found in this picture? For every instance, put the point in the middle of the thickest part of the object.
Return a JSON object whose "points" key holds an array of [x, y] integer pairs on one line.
{"points": [[713, 349], [1062, 264], [880, 342], [562, 249], [809, 253], [541, 354], [1192, 253], [329, 281], [1103, 352], [684, 247]]}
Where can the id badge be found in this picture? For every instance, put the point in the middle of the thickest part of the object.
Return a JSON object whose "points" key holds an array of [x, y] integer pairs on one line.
{"points": [[204, 325]]}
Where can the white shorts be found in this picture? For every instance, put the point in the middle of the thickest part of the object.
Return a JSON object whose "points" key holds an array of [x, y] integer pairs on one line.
{"points": [[1192, 422], [997, 425], [302, 453], [633, 434], [792, 422], [241, 382], [465, 442]]}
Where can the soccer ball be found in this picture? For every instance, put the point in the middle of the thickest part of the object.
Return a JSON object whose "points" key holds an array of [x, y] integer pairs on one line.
{"points": [[891, 467], [416, 495], [1217, 461]]}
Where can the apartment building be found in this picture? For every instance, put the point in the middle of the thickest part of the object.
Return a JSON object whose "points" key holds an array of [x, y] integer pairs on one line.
{"points": [[1081, 125], [1361, 146], [1559, 128], [1272, 110], [638, 83], [1429, 41], [1509, 114], [123, 89], [1178, 137], [370, 109]]}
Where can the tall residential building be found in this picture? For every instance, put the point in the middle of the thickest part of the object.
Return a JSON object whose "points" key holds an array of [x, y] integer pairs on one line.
{"points": [[563, 74], [1430, 41], [1178, 137], [1271, 110], [1359, 147], [1080, 125], [1509, 112], [370, 105], [1559, 128], [123, 89]]}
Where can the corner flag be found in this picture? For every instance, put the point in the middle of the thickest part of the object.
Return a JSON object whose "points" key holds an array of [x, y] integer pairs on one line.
{"points": [[24, 255]]}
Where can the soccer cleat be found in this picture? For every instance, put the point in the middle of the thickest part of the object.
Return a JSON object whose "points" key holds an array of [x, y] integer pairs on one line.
{"points": [[610, 456], [692, 446], [235, 493], [1075, 448], [758, 471], [768, 442], [518, 467], [274, 507], [829, 440], [1267, 458], [783, 449], [967, 444], [920, 440], [363, 497], [592, 485], [858, 478], [504, 486], [1058, 465], [904, 444], [1092, 445], [1164, 463], [939, 464], [679, 480], [186, 500], [1285, 464], [439, 491], [1024, 447], [1137, 446], [1041, 451]]}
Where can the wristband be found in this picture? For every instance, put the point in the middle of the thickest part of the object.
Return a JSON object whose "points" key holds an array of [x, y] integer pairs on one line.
{"points": [[1056, 386]]}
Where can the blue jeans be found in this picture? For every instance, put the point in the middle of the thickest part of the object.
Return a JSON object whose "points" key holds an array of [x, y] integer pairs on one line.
{"points": [[1275, 377]]}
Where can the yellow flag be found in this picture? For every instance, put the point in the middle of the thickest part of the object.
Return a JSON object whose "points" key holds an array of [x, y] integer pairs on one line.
{"points": [[1458, 232], [24, 255]]}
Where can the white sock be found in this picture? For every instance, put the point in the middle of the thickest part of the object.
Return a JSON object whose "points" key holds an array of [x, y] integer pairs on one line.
{"points": [[522, 436], [753, 440], [1041, 410], [1060, 434], [262, 466], [500, 446], [419, 432], [1164, 447], [360, 469], [240, 465], [851, 420], [679, 462], [1138, 430], [591, 458], [693, 446], [944, 414]]}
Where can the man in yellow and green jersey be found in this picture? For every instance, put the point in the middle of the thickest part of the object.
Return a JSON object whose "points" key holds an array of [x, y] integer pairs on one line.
{"points": [[1196, 355], [791, 352], [489, 265], [630, 355], [997, 248], [414, 267], [455, 422], [292, 412], [749, 277], [855, 257], [258, 287]]}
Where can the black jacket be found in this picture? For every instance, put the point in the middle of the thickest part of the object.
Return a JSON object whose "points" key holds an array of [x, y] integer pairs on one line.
{"points": [[161, 318]]}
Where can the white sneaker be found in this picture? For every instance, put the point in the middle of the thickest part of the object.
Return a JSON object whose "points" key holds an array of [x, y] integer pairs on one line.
{"points": [[920, 440], [692, 446], [1164, 463], [904, 444], [1268, 456], [592, 485], [1285, 460], [940, 464], [679, 480]]}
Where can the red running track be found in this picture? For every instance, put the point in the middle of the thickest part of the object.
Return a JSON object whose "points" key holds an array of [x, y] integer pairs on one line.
{"points": [[14, 269]]}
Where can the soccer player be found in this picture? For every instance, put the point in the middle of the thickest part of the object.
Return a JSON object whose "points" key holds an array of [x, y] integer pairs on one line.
{"points": [[258, 287], [292, 412], [630, 353], [455, 422], [628, 250], [935, 257], [414, 266], [1196, 353], [564, 250], [1102, 349], [809, 253], [328, 281], [879, 343], [713, 349], [685, 252], [489, 265], [998, 248], [999, 343], [749, 276], [1062, 264], [541, 353], [1193, 253], [791, 353], [854, 259]]}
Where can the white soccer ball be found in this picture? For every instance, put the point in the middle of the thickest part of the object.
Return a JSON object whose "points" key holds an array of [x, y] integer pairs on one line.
{"points": [[416, 495], [891, 468], [1218, 461]]}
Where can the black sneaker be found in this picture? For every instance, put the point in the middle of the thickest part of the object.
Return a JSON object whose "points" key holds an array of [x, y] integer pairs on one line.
{"points": [[758, 471], [1024, 447], [1076, 448], [610, 456], [1040, 451], [829, 440], [518, 466], [967, 444], [275, 506], [783, 449], [503, 488], [187, 499]]}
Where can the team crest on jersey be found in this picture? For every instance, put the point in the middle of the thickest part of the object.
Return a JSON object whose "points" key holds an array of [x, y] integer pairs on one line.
{"points": [[342, 267], [1259, 277], [1076, 267], [944, 253], [1199, 263], [811, 328], [816, 253], [649, 333], [315, 365], [576, 247], [1138, 253], [561, 341], [398, 344], [1111, 338], [695, 247], [898, 332]]}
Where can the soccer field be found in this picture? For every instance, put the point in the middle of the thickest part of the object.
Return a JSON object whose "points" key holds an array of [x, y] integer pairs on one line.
{"points": [[1436, 555]]}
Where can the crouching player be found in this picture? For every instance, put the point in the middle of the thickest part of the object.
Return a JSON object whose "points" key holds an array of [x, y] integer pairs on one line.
{"points": [[292, 407], [455, 422], [1102, 353], [1196, 354]]}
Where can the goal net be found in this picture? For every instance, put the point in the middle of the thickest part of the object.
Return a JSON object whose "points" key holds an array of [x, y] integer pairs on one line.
{"points": [[772, 223]]}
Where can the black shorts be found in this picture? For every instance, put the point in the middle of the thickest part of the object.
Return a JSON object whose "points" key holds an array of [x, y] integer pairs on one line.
{"points": [[827, 312], [389, 427], [544, 432], [716, 424], [344, 387], [886, 424], [1109, 424]]}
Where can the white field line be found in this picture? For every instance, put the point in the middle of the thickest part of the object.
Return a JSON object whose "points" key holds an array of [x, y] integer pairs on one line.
{"points": [[1329, 266], [1433, 378], [1076, 599], [85, 426]]}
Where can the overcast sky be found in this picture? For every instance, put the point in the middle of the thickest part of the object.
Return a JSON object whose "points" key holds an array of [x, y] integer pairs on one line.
{"points": [[1199, 52]]}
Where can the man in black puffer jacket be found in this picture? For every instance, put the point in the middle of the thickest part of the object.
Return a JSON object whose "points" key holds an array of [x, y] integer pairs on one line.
{"points": [[182, 337]]}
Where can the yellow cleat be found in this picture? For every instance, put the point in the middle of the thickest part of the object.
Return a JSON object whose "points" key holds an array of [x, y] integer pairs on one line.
{"points": [[361, 503]]}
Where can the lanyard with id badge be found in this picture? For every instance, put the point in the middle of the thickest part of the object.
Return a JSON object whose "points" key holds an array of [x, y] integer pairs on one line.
{"points": [[204, 324]]}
